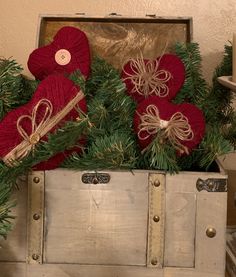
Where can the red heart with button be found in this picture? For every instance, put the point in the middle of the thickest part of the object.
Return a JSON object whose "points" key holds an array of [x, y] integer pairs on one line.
{"points": [[182, 125], [55, 101], [69, 51], [161, 77]]}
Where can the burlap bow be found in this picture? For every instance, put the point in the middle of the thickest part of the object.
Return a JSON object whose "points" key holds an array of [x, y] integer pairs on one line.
{"points": [[38, 130], [176, 129]]}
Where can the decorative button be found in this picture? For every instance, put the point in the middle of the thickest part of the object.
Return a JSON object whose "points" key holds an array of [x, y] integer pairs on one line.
{"points": [[62, 57], [34, 138], [211, 232]]}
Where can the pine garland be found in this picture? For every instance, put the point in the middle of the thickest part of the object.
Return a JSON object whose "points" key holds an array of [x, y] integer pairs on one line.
{"points": [[218, 112], [111, 141]]}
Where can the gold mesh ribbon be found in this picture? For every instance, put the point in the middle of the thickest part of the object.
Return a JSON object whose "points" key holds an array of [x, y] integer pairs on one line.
{"points": [[38, 130], [175, 130], [147, 78]]}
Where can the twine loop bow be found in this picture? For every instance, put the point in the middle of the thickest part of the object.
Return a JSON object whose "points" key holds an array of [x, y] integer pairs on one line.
{"points": [[176, 129], [147, 78], [36, 128]]}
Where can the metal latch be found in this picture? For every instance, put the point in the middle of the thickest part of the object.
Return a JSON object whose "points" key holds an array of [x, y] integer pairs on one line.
{"points": [[212, 185], [96, 178]]}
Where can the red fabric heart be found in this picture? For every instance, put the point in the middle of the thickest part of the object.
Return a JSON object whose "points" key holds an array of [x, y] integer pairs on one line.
{"points": [[162, 77], [155, 113], [68, 52], [52, 96]]}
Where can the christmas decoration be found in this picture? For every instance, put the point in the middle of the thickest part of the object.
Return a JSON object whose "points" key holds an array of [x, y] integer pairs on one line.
{"points": [[159, 122], [162, 77], [55, 99], [69, 51], [108, 125]]}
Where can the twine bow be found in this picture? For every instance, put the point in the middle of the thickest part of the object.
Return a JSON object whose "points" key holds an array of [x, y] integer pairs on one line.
{"points": [[38, 130], [147, 78], [176, 129]]}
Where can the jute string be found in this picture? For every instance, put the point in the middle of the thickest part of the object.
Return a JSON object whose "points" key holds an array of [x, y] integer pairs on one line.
{"points": [[176, 129], [147, 78], [38, 130]]}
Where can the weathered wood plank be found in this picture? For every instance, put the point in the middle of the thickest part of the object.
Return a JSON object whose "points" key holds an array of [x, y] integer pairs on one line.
{"points": [[14, 248], [210, 252], [13, 269], [96, 224], [63, 270], [180, 229], [185, 272]]}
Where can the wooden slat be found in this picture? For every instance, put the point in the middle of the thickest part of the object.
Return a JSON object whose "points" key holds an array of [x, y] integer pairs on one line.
{"points": [[35, 217], [231, 203], [96, 224], [180, 229], [185, 272], [156, 222], [210, 252], [13, 269], [14, 248], [63, 270]]}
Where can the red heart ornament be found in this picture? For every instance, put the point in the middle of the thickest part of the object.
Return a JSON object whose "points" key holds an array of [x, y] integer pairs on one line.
{"points": [[183, 125], [68, 52], [162, 77], [55, 101]]}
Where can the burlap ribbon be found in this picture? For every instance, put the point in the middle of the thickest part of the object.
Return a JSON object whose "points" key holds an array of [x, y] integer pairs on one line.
{"points": [[176, 129], [38, 130], [147, 78]]}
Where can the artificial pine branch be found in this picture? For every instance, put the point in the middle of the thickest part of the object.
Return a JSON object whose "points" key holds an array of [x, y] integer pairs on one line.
{"points": [[195, 87], [111, 142], [213, 145], [15, 89], [107, 152], [160, 154]]}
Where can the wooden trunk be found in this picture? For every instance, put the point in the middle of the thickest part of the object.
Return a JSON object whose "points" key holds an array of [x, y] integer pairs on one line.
{"points": [[118, 223], [115, 223]]}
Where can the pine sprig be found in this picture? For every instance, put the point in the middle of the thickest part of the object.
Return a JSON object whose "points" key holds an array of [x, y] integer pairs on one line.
{"points": [[160, 155], [107, 152], [213, 145], [15, 89], [195, 87]]}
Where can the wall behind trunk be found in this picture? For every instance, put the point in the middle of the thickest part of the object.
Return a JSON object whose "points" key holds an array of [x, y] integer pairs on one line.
{"points": [[213, 22]]}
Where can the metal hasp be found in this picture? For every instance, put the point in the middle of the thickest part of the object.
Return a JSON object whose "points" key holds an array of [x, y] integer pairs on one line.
{"points": [[156, 220], [96, 178], [212, 185], [35, 217]]}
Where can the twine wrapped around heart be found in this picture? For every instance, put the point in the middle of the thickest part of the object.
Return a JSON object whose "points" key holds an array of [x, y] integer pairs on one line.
{"points": [[38, 130], [147, 78], [175, 130]]}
